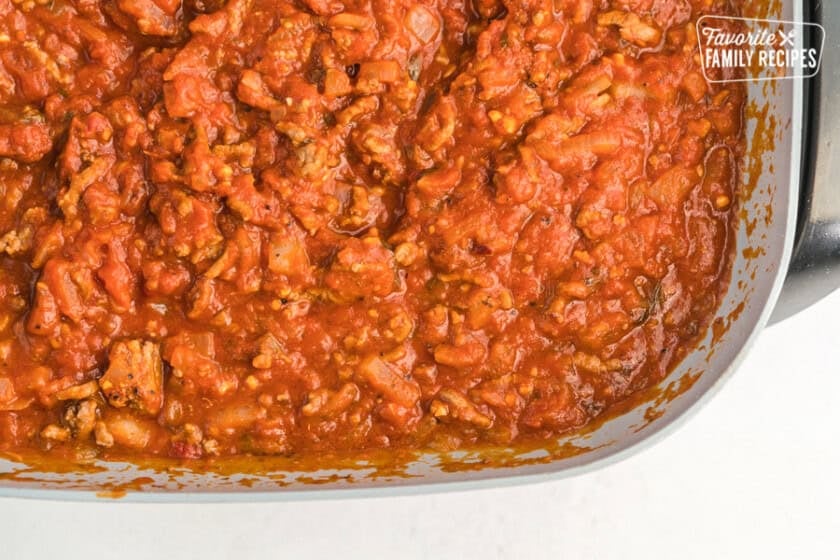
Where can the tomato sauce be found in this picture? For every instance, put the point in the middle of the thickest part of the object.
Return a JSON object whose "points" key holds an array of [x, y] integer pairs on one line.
{"points": [[288, 227]]}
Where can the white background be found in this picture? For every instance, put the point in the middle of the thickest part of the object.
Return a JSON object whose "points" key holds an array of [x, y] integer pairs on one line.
{"points": [[756, 474]]}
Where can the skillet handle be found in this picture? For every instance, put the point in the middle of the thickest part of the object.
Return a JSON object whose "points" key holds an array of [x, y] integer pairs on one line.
{"points": [[815, 267]]}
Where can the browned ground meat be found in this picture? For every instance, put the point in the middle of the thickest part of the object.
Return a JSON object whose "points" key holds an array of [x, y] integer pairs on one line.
{"points": [[276, 226]]}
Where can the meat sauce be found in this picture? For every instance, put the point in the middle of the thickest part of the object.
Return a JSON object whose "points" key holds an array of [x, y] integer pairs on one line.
{"points": [[291, 227]]}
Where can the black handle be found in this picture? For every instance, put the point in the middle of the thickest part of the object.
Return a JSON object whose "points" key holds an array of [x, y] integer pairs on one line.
{"points": [[815, 267]]}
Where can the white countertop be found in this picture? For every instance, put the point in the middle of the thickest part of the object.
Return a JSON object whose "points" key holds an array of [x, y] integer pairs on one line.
{"points": [[754, 475]]}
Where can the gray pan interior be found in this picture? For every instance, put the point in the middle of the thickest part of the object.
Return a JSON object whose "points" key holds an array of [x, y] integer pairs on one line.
{"points": [[756, 283]]}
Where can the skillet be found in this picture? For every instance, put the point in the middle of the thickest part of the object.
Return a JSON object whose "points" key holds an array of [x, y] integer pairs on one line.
{"points": [[788, 258]]}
